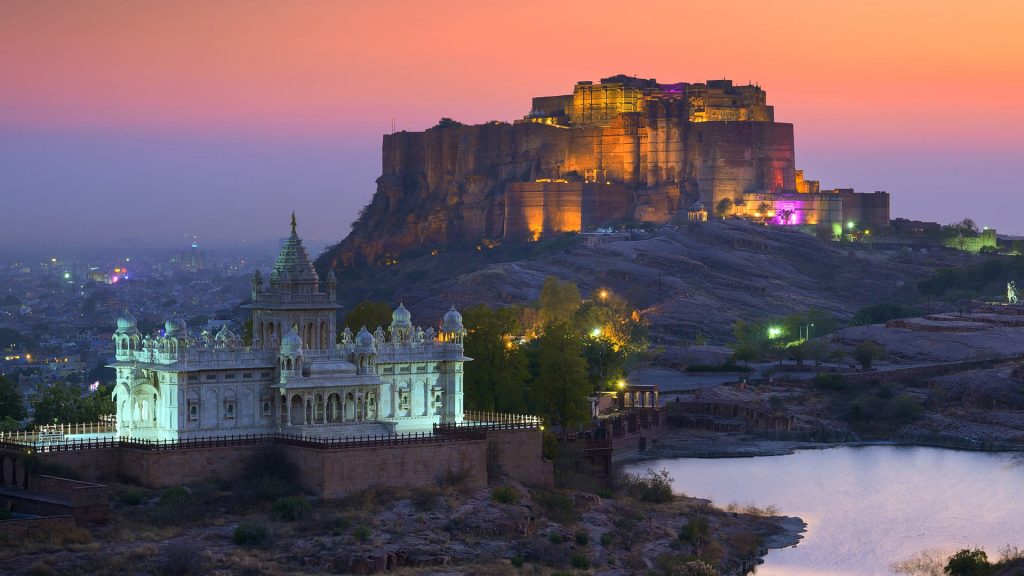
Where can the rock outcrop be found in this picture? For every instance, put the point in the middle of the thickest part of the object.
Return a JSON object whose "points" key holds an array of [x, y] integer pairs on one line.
{"points": [[447, 184]]}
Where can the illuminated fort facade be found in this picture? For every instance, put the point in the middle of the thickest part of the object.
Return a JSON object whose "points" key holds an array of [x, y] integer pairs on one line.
{"points": [[622, 149], [712, 147], [296, 375]]}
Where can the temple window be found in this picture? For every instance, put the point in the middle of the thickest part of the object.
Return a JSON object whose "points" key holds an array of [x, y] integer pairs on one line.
{"points": [[229, 409], [193, 412], [211, 376], [266, 408], [247, 375], [193, 377], [264, 374], [229, 376]]}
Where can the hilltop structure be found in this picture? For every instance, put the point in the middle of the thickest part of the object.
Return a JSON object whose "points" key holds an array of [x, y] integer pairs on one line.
{"points": [[623, 149], [293, 377]]}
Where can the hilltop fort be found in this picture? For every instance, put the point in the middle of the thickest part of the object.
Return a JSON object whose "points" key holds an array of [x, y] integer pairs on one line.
{"points": [[625, 149]]}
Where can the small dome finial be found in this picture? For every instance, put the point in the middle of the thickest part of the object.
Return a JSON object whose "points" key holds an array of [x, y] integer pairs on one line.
{"points": [[293, 221]]}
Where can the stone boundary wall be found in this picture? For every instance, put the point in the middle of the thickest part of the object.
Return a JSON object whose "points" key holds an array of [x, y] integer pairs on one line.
{"points": [[519, 456], [89, 502], [25, 528], [328, 472], [920, 371], [335, 473]]}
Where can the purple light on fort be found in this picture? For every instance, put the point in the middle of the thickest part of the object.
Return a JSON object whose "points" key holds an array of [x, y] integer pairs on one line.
{"points": [[787, 214]]}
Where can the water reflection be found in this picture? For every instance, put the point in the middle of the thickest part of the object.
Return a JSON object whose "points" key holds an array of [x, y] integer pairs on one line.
{"points": [[868, 507]]}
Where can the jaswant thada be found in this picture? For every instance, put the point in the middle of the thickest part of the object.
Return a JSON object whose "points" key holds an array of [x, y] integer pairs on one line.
{"points": [[295, 377]]}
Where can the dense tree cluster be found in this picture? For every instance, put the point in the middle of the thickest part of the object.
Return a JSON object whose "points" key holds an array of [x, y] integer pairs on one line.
{"points": [[67, 403], [549, 358]]}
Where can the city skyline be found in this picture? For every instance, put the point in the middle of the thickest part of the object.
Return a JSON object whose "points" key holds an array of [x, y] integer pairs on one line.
{"points": [[225, 117]]}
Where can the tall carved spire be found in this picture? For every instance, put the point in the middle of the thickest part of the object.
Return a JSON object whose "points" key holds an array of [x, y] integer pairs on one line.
{"points": [[293, 221]]}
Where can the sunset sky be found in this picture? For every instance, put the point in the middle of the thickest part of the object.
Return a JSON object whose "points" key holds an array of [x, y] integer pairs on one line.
{"points": [[156, 120]]}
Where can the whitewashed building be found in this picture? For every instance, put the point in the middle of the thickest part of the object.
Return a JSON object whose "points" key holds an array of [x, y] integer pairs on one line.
{"points": [[296, 376]]}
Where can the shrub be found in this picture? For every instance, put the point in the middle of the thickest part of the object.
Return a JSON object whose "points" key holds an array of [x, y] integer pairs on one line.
{"points": [[5, 514], [361, 534], [425, 498], [556, 506], [179, 559], [649, 487], [729, 365], [505, 495], [695, 529], [580, 561], [457, 478], [133, 497], [251, 534], [175, 497], [338, 525], [968, 563], [582, 537], [606, 539], [829, 382], [291, 508], [555, 538], [40, 568], [269, 475], [517, 561]]}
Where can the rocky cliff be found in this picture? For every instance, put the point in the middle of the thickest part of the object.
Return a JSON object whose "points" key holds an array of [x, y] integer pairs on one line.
{"points": [[447, 184]]}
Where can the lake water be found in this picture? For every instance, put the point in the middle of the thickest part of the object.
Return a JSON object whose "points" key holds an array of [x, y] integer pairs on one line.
{"points": [[868, 507]]}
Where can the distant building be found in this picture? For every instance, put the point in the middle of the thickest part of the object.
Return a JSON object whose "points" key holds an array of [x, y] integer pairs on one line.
{"points": [[838, 210], [293, 377], [193, 259], [985, 239]]}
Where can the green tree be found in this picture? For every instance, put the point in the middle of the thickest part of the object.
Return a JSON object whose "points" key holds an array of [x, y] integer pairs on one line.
{"points": [[65, 403], [965, 227], [559, 301], [447, 122], [968, 563], [12, 405], [880, 313], [367, 313], [496, 379], [247, 332], [867, 352], [751, 341], [724, 207], [561, 389]]}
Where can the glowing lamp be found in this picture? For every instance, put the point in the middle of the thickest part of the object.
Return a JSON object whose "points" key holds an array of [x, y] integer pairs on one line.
{"points": [[595, 332], [774, 332], [621, 383], [850, 224]]}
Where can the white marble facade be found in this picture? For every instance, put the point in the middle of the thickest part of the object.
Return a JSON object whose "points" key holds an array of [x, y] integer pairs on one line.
{"points": [[296, 376]]}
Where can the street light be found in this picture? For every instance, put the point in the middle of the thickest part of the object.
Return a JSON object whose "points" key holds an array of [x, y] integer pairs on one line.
{"points": [[805, 331], [595, 333], [774, 332], [603, 294]]}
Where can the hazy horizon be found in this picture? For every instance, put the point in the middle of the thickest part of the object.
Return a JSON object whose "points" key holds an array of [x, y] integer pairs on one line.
{"points": [[160, 122]]}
